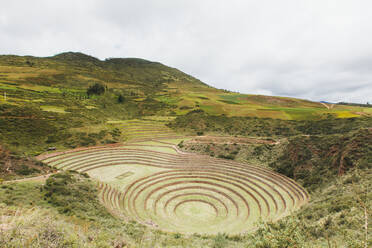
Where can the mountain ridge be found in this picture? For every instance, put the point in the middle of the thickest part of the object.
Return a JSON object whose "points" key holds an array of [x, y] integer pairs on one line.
{"points": [[147, 79]]}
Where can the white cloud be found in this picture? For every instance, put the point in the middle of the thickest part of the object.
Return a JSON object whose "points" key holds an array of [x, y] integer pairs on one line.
{"points": [[314, 49]]}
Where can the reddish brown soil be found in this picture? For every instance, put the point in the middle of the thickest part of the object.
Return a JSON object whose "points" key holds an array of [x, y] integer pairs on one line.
{"points": [[229, 140]]}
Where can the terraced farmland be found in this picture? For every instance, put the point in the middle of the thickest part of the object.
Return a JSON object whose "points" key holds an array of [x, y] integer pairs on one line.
{"points": [[142, 130], [158, 185]]}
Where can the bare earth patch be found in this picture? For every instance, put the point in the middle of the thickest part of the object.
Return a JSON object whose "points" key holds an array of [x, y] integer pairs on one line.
{"points": [[230, 140]]}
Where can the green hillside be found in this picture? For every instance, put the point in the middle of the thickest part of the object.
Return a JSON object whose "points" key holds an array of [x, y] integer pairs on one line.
{"points": [[45, 80], [44, 101]]}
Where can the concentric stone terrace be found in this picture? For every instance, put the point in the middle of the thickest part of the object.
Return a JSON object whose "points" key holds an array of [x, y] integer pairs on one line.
{"points": [[156, 184]]}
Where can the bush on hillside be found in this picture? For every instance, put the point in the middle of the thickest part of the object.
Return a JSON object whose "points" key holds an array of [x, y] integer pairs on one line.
{"points": [[200, 133], [121, 98]]}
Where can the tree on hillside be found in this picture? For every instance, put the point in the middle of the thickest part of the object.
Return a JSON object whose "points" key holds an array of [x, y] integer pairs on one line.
{"points": [[96, 89], [121, 98]]}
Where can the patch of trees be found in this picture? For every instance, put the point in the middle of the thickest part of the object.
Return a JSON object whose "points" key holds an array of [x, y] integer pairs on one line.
{"points": [[368, 105], [96, 89]]}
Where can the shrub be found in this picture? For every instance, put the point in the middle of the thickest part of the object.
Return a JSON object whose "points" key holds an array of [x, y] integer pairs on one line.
{"points": [[220, 241], [180, 145], [177, 235], [231, 157], [115, 133], [25, 170]]}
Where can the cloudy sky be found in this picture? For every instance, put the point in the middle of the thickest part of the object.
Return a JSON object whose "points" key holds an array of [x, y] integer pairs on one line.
{"points": [[313, 49]]}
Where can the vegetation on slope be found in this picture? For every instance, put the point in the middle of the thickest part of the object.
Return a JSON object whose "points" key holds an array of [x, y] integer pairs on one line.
{"points": [[336, 217], [62, 81], [65, 212], [68, 201], [47, 102], [258, 151], [313, 160], [14, 166], [202, 122]]}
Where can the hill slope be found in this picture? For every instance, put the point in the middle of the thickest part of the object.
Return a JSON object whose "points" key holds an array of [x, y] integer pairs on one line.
{"points": [[141, 81]]}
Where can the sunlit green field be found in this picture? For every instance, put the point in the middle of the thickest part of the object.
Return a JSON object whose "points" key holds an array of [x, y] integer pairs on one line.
{"points": [[55, 109]]}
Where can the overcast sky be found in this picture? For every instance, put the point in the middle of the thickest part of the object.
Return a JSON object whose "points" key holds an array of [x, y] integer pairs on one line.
{"points": [[312, 49]]}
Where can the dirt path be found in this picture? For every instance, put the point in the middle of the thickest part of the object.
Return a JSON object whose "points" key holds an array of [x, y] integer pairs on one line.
{"points": [[29, 179], [328, 107]]}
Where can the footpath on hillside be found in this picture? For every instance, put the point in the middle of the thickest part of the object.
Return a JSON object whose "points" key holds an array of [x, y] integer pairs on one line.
{"points": [[28, 179]]}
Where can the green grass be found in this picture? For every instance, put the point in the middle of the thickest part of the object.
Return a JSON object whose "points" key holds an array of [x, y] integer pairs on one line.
{"points": [[5, 86], [55, 109]]}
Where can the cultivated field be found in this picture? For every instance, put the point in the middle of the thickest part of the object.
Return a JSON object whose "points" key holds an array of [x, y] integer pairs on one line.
{"points": [[156, 184], [146, 129]]}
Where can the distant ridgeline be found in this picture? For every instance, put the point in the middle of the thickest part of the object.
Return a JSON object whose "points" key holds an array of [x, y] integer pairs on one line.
{"points": [[367, 105]]}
